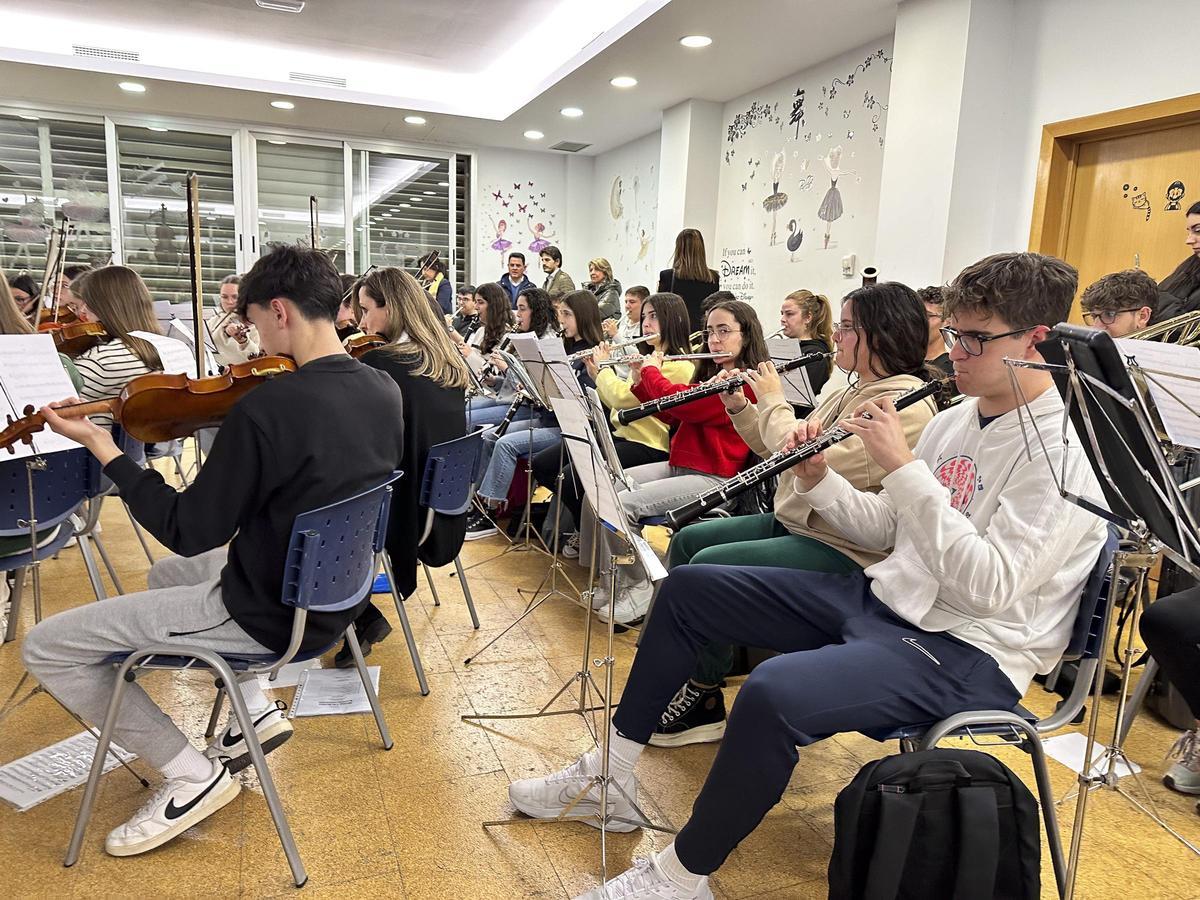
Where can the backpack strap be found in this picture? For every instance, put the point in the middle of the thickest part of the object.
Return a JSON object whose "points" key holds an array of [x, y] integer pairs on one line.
{"points": [[898, 813], [979, 843]]}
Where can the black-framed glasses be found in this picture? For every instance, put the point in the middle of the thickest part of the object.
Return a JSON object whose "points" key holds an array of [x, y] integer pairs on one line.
{"points": [[1107, 316], [972, 344], [722, 333]]}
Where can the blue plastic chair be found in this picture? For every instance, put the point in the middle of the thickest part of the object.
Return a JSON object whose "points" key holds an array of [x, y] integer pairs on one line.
{"points": [[68, 480], [1022, 728], [330, 566], [447, 486]]}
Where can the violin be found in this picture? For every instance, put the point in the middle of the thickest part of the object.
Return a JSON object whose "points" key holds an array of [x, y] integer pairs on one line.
{"points": [[78, 338], [361, 344], [157, 407], [346, 330], [61, 318]]}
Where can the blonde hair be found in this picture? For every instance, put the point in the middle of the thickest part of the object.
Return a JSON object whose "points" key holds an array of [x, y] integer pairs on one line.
{"points": [[820, 313], [119, 299], [11, 319], [690, 261], [600, 264], [409, 314]]}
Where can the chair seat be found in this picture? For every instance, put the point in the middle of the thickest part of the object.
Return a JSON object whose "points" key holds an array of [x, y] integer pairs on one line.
{"points": [[45, 550], [239, 663], [653, 520], [915, 732]]}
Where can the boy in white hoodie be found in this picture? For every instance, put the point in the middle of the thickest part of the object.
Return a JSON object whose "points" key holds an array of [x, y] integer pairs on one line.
{"points": [[979, 593]]}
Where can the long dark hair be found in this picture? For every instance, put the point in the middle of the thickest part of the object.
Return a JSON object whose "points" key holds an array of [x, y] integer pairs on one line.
{"points": [[496, 316], [587, 318], [754, 347], [1184, 281], [894, 327], [673, 323], [541, 310]]}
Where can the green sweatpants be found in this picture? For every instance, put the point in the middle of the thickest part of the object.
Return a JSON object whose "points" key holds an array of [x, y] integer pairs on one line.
{"points": [[748, 541]]}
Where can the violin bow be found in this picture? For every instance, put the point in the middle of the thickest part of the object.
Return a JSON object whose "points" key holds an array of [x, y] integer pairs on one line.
{"points": [[56, 251], [314, 225], [193, 220]]}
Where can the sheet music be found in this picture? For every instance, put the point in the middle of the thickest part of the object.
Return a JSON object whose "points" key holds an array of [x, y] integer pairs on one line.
{"points": [[31, 374], [176, 356], [54, 770], [587, 462], [1169, 371], [332, 692], [797, 389], [189, 337], [560, 369]]}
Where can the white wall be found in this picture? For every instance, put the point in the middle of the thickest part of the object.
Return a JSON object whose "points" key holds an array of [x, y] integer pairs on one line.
{"points": [[845, 102], [625, 204]]}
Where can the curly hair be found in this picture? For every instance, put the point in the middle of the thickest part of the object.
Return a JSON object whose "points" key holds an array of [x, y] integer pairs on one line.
{"points": [[1023, 289], [1128, 289]]}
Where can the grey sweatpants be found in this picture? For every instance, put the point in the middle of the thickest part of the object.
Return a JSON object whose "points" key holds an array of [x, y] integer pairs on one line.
{"points": [[182, 605]]}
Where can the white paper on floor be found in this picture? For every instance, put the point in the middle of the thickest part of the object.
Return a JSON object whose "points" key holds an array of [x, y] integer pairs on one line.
{"points": [[331, 692], [46, 773], [1068, 749], [289, 675]]}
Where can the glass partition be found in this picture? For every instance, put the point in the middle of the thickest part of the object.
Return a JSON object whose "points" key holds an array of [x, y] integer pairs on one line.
{"points": [[401, 209], [289, 173]]}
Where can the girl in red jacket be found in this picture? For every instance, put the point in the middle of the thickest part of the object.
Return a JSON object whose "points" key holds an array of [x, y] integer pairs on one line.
{"points": [[705, 448]]}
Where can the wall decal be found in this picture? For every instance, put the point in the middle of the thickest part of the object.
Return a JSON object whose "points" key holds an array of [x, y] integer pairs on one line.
{"points": [[831, 207], [614, 199], [795, 239], [797, 117], [778, 199], [1174, 195]]}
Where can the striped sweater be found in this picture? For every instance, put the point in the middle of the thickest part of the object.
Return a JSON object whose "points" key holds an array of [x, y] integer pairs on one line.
{"points": [[104, 371]]}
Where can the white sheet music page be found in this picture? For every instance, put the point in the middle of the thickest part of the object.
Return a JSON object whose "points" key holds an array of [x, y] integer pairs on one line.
{"points": [[189, 338], [1169, 370], [797, 389], [560, 370], [587, 461], [31, 374], [176, 356]]}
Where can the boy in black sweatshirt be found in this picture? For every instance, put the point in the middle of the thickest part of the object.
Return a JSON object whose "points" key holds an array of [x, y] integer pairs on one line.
{"points": [[303, 440]]}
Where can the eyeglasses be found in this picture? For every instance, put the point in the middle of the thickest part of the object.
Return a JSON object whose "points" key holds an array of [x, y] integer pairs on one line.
{"points": [[1107, 316], [972, 344], [844, 327], [721, 333]]}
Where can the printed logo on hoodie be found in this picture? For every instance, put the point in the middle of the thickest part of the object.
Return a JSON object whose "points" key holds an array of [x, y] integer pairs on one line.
{"points": [[958, 473]]}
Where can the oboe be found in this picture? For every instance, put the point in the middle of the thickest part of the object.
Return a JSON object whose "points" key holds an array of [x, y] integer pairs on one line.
{"points": [[781, 461], [709, 389]]}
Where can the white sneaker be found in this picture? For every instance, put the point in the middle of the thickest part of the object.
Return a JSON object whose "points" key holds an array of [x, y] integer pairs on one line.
{"points": [[600, 593], [570, 547], [633, 601], [176, 806], [645, 881], [549, 797], [272, 728]]}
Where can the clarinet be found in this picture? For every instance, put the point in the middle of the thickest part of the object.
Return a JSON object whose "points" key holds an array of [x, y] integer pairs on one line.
{"points": [[729, 385], [518, 401], [781, 461]]}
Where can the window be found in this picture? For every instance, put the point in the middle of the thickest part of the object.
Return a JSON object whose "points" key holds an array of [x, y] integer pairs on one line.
{"points": [[401, 209], [288, 174], [47, 168]]}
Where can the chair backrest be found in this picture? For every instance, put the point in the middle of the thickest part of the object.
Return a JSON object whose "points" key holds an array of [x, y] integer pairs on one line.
{"points": [[1087, 637], [450, 474], [331, 555], [66, 482]]}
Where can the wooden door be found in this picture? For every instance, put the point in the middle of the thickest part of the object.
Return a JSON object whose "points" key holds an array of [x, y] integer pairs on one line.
{"points": [[1120, 214]]}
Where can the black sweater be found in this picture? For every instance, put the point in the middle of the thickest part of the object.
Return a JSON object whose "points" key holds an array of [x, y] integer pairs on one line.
{"points": [[694, 293], [332, 429], [432, 414]]}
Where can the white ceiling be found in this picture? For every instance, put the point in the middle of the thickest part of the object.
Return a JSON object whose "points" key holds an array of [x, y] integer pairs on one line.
{"points": [[472, 55]]}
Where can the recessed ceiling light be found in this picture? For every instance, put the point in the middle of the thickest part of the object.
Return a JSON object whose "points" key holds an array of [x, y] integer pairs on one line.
{"points": [[132, 87], [429, 193], [406, 205], [534, 135], [288, 6], [623, 81], [443, 184], [415, 120], [30, 118], [695, 41], [387, 215], [571, 112], [283, 104], [415, 199], [279, 143], [157, 128]]}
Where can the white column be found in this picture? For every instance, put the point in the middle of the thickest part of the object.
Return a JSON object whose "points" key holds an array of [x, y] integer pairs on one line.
{"points": [[688, 172]]}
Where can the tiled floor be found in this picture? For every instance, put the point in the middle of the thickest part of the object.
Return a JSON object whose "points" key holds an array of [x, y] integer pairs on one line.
{"points": [[406, 823]]}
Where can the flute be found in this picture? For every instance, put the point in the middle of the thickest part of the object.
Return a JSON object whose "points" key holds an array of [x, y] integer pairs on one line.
{"points": [[624, 361], [588, 351], [781, 461], [709, 389]]}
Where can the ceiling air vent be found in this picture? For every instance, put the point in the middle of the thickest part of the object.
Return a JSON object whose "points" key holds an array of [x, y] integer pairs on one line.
{"points": [[106, 53], [570, 146], [322, 80]]}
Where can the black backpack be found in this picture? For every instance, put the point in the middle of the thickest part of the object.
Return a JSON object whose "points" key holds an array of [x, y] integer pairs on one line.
{"points": [[951, 824]]}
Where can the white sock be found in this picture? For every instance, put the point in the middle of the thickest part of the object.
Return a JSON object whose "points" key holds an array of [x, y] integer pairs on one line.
{"points": [[256, 701], [669, 864], [622, 755], [190, 765]]}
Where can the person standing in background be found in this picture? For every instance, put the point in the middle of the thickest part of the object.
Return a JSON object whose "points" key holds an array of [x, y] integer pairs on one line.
{"points": [[515, 280], [689, 275], [558, 283]]}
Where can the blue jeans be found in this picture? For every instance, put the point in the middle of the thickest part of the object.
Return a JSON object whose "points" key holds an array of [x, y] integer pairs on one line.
{"points": [[848, 664], [499, 458], [486, 411]]}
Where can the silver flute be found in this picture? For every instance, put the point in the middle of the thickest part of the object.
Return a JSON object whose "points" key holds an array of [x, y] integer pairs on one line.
{"points": [[587, 353], [625, 361]]}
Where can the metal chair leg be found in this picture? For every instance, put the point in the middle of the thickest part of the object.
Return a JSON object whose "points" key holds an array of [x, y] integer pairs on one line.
{"points": [[14, 606], [462, 577], [112, 573], [1041, 772], [361, 665], [89, 565], [402, 614], [432, 587], [137, 529], [215, 715]]}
